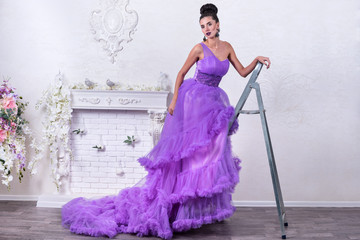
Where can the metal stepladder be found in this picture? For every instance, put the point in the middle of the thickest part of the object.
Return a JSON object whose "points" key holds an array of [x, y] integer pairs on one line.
{"points": [[252, 84]]}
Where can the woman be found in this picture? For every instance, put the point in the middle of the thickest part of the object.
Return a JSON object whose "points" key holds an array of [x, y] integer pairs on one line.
{"points": [[191, 171]]}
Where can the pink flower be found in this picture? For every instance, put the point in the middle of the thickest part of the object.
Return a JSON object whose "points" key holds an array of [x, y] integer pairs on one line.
{"points": [[9, 102], [3, 135], [13, 127]]}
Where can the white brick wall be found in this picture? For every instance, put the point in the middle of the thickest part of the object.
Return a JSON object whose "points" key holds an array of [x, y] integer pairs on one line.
{"points": [[97, 172]]}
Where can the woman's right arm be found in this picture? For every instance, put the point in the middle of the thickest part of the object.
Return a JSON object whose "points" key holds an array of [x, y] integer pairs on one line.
{"points": [[244, 71], [194, 55]]}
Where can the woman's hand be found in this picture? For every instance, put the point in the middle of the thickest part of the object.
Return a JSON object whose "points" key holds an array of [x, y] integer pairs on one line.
{"points": [[264, 60], [172, 106]]}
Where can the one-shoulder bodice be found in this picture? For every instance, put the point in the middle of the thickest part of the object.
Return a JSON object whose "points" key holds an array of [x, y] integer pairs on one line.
{"points": [[210, 69]]}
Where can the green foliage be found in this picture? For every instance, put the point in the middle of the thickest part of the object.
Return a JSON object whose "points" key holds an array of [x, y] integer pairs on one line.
{"points": [[78, 131], [130, 140]]}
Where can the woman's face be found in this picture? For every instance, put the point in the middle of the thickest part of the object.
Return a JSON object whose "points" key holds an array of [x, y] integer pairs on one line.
{"points": [[209, 26]]}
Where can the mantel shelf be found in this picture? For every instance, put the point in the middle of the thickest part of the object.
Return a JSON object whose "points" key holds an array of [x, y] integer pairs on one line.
{"points": [[120, 100]]}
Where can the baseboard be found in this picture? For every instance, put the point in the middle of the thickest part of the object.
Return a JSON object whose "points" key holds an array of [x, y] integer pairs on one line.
{"points": [[53, 201], [297, 203], [19, 197], [57, 201]]}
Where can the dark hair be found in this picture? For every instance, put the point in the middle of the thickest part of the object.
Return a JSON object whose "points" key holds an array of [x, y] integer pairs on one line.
{"points": [[209, 10]]}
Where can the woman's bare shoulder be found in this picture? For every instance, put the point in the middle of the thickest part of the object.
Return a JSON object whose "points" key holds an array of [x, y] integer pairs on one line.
{"points": [[227, 44], [198, 48]]}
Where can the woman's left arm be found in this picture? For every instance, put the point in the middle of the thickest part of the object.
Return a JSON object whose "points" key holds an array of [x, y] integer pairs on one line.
{"points": [[244, 71]]}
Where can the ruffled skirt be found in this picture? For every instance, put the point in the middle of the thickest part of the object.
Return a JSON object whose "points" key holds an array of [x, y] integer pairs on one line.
{"points": [[191, 175]]}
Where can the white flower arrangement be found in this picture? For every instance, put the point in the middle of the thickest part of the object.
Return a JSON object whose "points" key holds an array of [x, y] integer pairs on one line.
{"points": [[56, 101]]}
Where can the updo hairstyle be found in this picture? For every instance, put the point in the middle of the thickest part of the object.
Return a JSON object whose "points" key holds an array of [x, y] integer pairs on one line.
{"points": [[207, 10]]}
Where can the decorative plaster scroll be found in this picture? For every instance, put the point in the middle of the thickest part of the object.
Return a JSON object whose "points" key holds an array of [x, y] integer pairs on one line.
{"points": [[113, 25], [125, 101], [119, 100], [157, 122], [90, 100], [108, 100]]}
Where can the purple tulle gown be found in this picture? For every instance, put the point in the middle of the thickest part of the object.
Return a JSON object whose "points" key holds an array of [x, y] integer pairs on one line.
{"points": [[191, 170]]}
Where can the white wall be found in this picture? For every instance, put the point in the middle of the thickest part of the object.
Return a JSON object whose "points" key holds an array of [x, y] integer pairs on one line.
{"points": [[310, 91]]}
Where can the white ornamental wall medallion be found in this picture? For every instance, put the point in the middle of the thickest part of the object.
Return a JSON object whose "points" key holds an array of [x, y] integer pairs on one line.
{"points": [[113, 25]]}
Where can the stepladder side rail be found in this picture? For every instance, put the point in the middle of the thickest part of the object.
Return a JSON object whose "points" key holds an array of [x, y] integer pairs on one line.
{"points": [[252, 84]]}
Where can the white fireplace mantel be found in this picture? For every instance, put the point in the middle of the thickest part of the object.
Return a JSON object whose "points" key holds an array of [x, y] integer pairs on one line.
{"points": [[120, 100], [153, 102]]}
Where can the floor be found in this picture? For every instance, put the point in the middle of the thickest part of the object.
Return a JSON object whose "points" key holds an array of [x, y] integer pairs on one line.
{"points": [[23, 220]]}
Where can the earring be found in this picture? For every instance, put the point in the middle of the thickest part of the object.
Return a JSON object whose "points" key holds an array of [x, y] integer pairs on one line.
{"points": [[204, 39], [217, 34]]}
